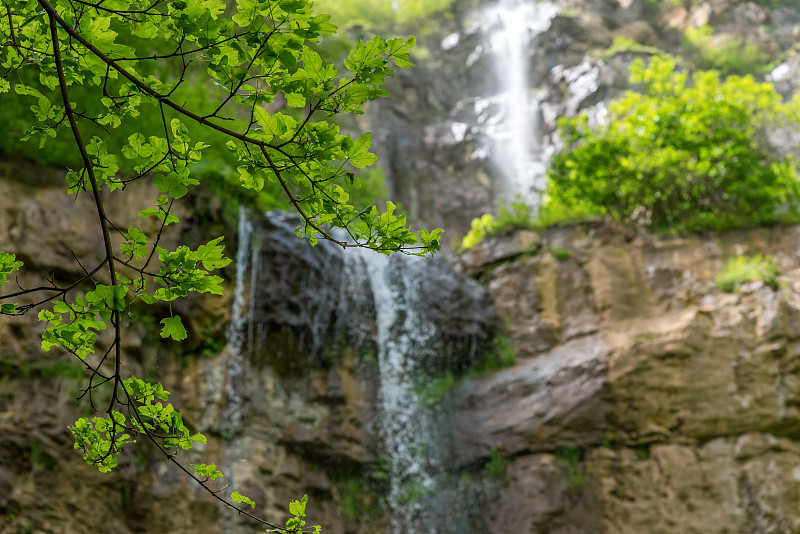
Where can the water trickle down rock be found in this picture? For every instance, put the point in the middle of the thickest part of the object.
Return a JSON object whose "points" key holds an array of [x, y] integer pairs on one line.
{"points": [[427, 321], [247, 260], [310, 310]]}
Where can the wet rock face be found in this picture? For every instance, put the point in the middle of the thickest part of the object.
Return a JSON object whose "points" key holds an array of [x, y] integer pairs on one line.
{"points": [[663, 405], [309, 300]]}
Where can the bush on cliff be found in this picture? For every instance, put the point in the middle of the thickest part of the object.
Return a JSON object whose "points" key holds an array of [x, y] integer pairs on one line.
{"points": [[742, 269], [689, 151]]}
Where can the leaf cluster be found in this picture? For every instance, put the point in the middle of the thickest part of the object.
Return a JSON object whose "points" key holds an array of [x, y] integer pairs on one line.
{"points": [[688, 151], [102, 438], [729, 57]]}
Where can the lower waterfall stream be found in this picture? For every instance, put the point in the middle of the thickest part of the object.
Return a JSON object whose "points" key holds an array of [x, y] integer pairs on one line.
{"points": [[405, 428], [397, 304]]}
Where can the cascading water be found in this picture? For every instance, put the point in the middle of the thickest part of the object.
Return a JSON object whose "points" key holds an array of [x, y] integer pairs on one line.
{"points": [[417, 316], [516, 150], [248, 257], [422, 496], [240, 319], [402, 338]]}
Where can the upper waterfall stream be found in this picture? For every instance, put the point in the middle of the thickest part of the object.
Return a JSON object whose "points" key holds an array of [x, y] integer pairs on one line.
{"points": [[511, 26]]}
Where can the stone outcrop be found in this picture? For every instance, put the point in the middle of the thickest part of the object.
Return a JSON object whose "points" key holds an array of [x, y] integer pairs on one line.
{"points": [[643, 398], [669, 406]]}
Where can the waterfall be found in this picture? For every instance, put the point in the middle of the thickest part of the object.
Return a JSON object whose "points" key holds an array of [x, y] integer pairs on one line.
{"points": [[403, 338], [414, 315], [239, 332], [240, 320], [514, 131]]}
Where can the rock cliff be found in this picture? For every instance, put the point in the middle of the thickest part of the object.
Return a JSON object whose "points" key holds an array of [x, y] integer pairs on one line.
{"points": [[645, 400]]}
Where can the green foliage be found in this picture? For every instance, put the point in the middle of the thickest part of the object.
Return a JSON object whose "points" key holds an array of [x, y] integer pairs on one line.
{"points": [[382, 15], [102, 438], [729, 57], [209, 471], [496, 466], [740, 269], [414, 490], [570, 459], [642, 451], [501, 356], [66, 370], [8, 264], [560, 254], [363, 495], [688, 152], [128, 83], [352, 493], [514, 216], [37, 455], [431, 390], [623, 44], [381, 470], [241, 499], [298, 511], [368, 186]]}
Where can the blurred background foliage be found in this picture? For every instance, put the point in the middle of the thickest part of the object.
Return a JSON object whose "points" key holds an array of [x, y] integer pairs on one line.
{"points": [[356, 19]]}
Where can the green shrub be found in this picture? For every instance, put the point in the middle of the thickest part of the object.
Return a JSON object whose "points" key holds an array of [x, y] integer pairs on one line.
{"points": [[642, 452], [514, 216], [496, 466], [570, 459], [432, 390], [731, 57], [561, 254], [501, 356], [741, 269], [623, 44], [688, 152], [422, 16]]}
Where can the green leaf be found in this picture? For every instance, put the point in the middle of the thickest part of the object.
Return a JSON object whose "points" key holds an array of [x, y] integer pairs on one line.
{"points": [[360, 156], [8, 264], [210, 255], [298, 508], [171, 184], [136, 244], [238, 497], [295, 100], [173, 327], [210, 471]]}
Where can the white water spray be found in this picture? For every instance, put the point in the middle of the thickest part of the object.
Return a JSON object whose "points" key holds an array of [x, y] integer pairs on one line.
{"points": [[241, 315], [512, 24], [239, 333], [405, 428]]}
